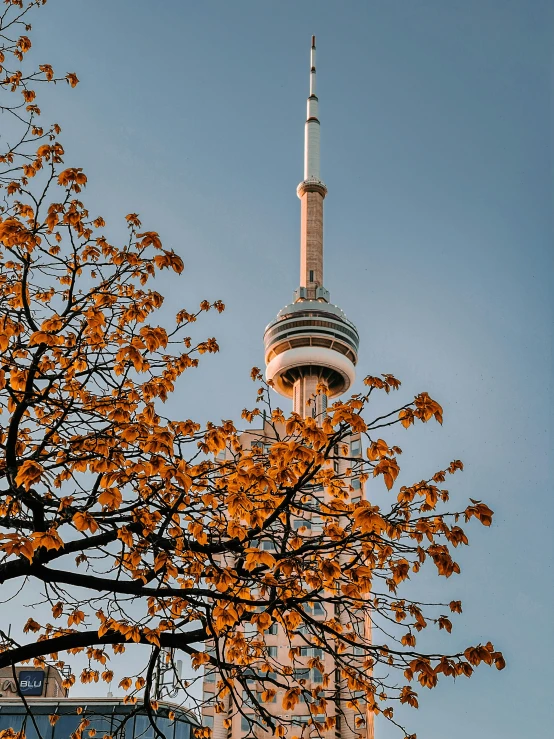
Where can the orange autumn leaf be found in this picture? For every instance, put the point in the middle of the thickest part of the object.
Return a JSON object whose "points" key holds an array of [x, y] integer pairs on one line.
{"points": [[111, 498], [85, 521], [48, 539], [388, 467], [257, 557], [29, 473], [18, 545], [377, 450]]}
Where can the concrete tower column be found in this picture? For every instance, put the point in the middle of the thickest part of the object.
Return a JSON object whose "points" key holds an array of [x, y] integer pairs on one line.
{"points": [[311, 236]]}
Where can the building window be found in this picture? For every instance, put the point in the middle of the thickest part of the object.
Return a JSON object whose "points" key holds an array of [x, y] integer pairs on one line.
{"points": [[317, 523], [311, 275], [356, 448], [298, 523], [209, 677], [245, 723], [208, 721], [318, 609], [267, 544], [356, 499], [316, 676], [273, 699], [272, 652], [302, 674], [272, 629], [356, 484], [311, 652]]}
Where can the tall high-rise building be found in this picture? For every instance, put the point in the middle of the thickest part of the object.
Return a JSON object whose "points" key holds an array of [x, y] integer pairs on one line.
{"points": [[311, 350]]}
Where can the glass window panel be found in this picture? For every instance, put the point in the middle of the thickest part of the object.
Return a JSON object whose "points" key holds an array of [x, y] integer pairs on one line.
{"points": [[271, 700], [246, 698], [206, 721], [143, 728], [43, 725], [250, 629], [65, 726], [356, 484], [11, 721], [117, 719], [245, 723], [102, 724], [272, 651], [182, 728]]}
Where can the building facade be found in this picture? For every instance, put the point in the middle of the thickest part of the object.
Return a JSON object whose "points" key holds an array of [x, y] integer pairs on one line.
{"points": [[102, 716], [311, 351], [31, 682], [51, 714]]}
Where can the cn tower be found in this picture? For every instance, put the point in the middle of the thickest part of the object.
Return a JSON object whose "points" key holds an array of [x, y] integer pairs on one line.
{"points": [[311, 343]]}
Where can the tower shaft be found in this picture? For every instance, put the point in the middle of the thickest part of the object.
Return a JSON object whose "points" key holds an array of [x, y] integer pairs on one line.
{"points": [[311, 241]]}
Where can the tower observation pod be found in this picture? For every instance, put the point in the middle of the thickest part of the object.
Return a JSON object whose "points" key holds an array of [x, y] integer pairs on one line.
{"points": [[311, 343]]}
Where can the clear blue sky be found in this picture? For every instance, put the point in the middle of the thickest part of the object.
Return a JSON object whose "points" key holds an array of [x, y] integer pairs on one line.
{"points": [[437, 125]]}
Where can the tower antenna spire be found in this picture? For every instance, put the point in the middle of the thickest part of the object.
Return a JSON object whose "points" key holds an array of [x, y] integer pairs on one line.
{"points": [[311, 137]]}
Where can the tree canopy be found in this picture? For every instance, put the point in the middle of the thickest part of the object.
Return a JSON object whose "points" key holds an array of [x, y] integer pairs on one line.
{"points": [[146, 529]]}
